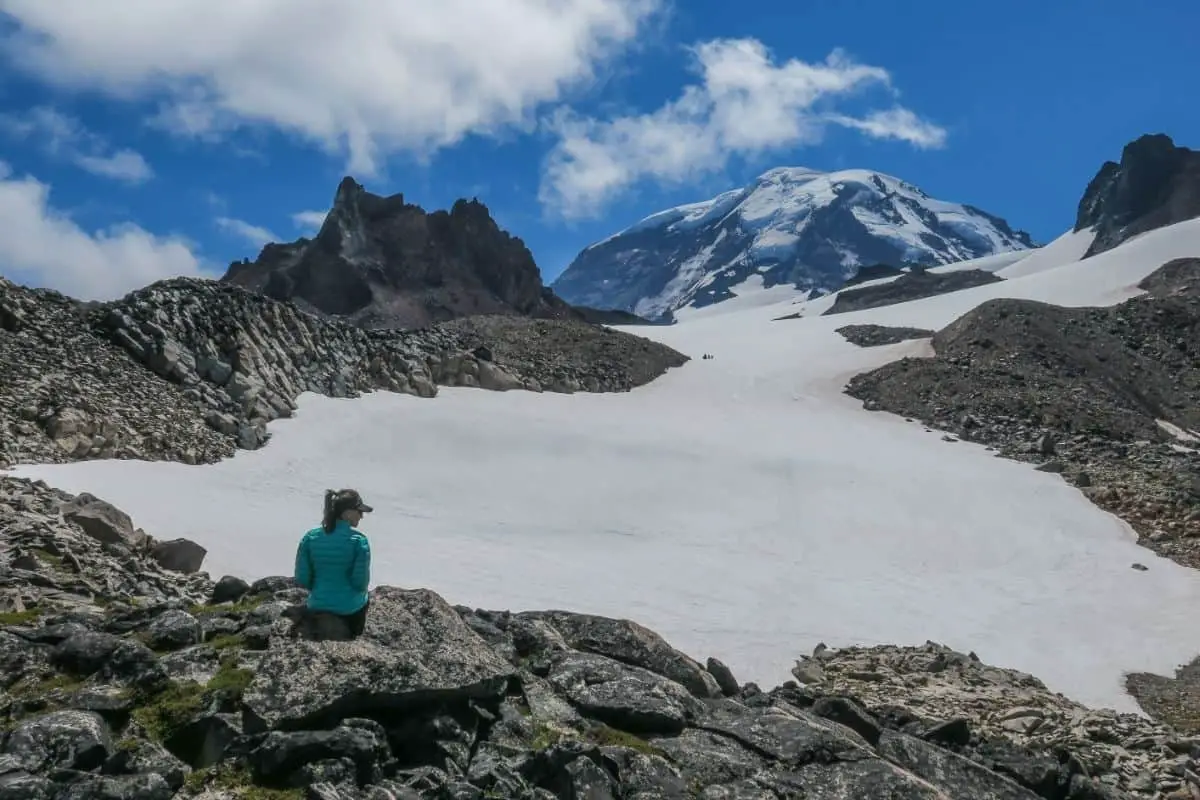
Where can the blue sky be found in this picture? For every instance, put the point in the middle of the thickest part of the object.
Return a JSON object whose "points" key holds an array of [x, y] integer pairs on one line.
{"points": [[147, 139]]}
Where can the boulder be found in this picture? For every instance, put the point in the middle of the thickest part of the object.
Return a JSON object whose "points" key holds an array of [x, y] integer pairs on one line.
{"points": [[102, 521], [723, 676], [962, 777], [172, 630], [229, 589], [60, 740], [180, 555], [415, 650], [118, 787], [630, 643], [629, 698]]}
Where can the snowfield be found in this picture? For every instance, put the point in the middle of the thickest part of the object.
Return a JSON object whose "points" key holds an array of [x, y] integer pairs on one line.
{"points": [[742, 507]]}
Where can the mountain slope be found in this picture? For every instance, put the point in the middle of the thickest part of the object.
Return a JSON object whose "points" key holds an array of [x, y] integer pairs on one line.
{"points": [[380, 262], [791, 225]]}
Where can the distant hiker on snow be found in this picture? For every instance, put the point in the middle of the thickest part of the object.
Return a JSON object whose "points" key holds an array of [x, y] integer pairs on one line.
{"points": [[333, 562]]}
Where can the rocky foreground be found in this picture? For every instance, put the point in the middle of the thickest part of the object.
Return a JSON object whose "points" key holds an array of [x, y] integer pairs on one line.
{"points": [[190, 370], [1107, 397], [129, 675]]}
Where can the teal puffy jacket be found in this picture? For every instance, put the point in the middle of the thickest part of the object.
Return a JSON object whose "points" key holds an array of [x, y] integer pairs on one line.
{"points": [[335, 567]]}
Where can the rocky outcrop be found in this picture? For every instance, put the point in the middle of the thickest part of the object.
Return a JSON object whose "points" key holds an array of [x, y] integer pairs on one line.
{"points": [[1001, 717], [123, 680], [66, 393], [909, 286], [872, 272], [1108, 397], [547, 352], [380, 262], [189, 370], [880, 335], [1175, 700], [1155, 184]]}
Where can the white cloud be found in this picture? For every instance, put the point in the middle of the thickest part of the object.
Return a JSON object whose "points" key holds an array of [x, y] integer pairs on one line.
{"points": [[897, 123], [254, 234], [310, 221], [64, 137], [43, 246], [365, 78], [744, 104]]}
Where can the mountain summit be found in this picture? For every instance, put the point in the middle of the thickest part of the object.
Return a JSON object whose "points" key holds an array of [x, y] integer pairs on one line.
{"points": [[383, 263], [1156, 183], [791, 225]]}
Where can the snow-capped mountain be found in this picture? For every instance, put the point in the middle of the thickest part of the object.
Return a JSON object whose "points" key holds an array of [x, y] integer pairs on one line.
{"points": [[791, 226]]}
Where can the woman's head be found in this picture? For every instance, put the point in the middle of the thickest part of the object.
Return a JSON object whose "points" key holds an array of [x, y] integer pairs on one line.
{"points": [[344, 504]]}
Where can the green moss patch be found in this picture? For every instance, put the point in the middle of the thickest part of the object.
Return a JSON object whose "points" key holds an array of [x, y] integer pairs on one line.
{"points": [[606, 736], [243, 606], [165, 712], [227, 641], [237, 783], [45, 556], [546, 736], [20, 617]]}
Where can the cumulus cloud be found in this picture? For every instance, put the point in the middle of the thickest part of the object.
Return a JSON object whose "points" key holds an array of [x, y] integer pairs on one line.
{"points": [[253, 234], [309, 221], [42, 246], [744, 104], [364, 78], [63, 136]]}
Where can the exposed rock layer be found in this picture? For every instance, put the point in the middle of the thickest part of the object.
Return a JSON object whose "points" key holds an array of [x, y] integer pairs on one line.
{"points": [[909, 286]]}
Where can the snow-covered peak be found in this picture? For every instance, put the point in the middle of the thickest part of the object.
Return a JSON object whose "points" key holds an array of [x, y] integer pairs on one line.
{"points": [[792, 225]]}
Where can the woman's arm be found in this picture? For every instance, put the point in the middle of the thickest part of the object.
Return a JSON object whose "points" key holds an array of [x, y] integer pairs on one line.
{"points": [[304, 574], [360, 573]]}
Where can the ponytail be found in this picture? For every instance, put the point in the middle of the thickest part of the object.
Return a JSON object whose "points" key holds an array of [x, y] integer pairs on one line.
{"points": [[329, 518]]}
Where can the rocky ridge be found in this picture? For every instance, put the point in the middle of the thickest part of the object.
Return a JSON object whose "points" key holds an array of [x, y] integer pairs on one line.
{"points": [[909, 286], [380, 262], [188, 370], [1155, 184], [1107, 397], [880, 335], [126, 680]]}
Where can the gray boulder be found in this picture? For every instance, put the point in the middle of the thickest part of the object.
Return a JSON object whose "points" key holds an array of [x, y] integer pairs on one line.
{"points": [[180, 555], [61, 739], [415, 649], [102, 521], [630, 643]]}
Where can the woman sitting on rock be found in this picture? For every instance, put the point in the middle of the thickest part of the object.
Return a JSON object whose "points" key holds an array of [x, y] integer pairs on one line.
{"points": [[333, 562]]}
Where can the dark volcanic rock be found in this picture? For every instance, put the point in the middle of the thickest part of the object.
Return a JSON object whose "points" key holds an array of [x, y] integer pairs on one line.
{"points": [[415, 649], [1175, 700], [909, 286], [872, 272], [879, 335], [383, 263], [1155, 184], [547, 352], [66, 739]]}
